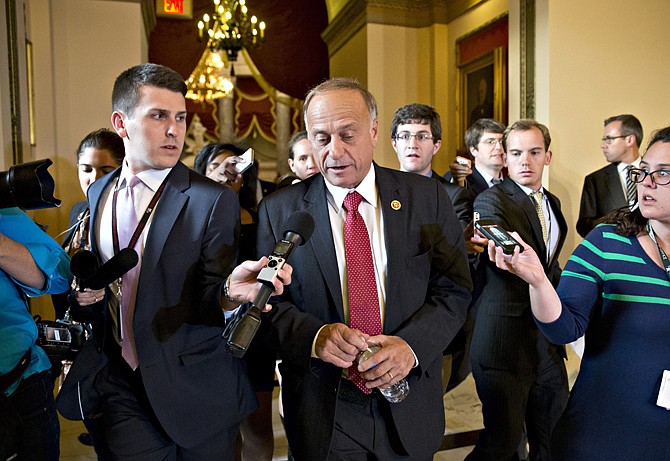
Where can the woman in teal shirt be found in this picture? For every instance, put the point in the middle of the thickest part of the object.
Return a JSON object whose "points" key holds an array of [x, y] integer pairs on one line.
{"points": [[31, 264]]}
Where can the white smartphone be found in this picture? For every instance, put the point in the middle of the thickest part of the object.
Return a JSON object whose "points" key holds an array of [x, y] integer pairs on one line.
{"points": [[246, 160], [464, 161]]}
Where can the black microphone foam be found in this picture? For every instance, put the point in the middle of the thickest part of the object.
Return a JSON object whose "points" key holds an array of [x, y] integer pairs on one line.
{"points": [[117, 265], [84, 264], [302, 224]]}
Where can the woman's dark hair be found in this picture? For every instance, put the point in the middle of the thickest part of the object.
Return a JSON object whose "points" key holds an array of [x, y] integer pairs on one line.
{"points": [[103, 139], [632, 222], [209, 152], [247, 194]]}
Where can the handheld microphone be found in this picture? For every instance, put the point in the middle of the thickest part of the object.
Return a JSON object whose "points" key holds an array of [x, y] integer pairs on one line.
{"points": [[243, 328], [83, 265], [113, 269]]}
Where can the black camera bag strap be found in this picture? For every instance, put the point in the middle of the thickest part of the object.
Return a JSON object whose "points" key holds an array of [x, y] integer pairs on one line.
{"points": [[10, 378]]}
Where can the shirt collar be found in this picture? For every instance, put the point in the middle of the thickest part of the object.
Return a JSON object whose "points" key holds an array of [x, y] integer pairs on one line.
{"points": [[367, 188], [621, 167], [150, 178], [487, 177], [528, 190]]}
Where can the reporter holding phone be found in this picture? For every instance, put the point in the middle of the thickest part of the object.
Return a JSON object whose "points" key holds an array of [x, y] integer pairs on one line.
{"points": [[520, 376], [616, 288]]}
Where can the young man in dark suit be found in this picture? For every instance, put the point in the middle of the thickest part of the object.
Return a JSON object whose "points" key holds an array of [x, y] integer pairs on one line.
{"points": [[418, 292], [157, 376], [605, 190], [416, 136], [484, 141], [520, 376]]}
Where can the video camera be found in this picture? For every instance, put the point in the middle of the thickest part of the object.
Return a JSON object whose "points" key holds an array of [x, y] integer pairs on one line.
{"points": [[28, 186], [60, 339]]}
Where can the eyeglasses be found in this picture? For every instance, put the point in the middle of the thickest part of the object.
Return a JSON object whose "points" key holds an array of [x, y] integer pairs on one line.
{"points": [[421, 137], [658, 177], [492, 141], [610, 139]]}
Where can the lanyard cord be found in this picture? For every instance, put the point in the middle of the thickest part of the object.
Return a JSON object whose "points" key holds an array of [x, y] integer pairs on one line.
{"points": [[664, 257], [140, 225]]}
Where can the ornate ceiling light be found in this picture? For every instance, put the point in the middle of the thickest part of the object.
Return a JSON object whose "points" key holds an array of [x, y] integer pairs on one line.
{"points": [[230, 28], [210, 79]]}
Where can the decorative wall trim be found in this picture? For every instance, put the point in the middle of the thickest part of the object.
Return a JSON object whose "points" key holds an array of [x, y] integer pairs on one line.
{"points": [[406, 13], [527, 70], [14, 95]]}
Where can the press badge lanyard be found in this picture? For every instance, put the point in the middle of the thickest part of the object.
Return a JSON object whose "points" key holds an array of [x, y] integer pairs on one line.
{"points": [[664, 257]]}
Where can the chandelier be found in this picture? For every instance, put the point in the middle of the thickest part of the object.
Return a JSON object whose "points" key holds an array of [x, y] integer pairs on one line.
{"points": [[209, 80], [230, 28]]}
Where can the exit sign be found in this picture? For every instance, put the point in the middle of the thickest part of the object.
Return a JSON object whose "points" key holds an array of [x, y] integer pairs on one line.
{"points": [[177, 9]]}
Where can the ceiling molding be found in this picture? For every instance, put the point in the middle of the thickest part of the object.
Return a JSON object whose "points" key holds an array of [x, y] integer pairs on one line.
{"points": [[353, 16]]}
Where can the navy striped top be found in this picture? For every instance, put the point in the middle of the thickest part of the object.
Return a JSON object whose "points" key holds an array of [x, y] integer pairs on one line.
{"points": [[613, 292]]}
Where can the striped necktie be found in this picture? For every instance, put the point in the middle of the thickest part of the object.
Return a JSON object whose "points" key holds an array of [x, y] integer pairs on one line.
{"points": [[631, 187], [537, 198]]}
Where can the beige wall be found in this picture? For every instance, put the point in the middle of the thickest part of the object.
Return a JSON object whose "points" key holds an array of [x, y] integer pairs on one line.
{"points": [[80, 46], [399, 65], [603, 57]]}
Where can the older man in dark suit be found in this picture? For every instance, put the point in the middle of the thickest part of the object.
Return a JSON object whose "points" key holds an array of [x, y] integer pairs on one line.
{"points": [[609, 188], [157, 377], [520, 376], [417, 291]]}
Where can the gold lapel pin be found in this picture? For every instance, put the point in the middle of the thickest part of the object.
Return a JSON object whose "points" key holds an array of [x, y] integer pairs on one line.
{"points": [[395, 205]]}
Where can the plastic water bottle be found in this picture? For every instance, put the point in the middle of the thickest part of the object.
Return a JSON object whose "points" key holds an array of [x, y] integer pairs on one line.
{"points": [[395, 393]]}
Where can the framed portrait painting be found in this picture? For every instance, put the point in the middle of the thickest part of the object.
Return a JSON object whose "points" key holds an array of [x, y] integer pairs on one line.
{"points": [[482, 77]]}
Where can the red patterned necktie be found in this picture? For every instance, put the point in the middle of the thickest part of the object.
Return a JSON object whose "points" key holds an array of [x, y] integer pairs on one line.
{"points": [[127, 223], [364, 311]]}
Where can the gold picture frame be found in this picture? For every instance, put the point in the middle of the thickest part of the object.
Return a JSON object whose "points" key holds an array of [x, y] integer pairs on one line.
{"points": [[482, 90]]}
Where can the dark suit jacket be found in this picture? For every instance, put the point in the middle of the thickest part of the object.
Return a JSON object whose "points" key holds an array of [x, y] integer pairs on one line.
{"points": [[194, 386], [427, 293], [461, 199], [601, 194], [474, 182], [505, 335]]}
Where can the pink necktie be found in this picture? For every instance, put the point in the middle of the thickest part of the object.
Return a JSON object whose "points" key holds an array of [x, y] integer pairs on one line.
{"points": [[127, 223], [364, 312]]}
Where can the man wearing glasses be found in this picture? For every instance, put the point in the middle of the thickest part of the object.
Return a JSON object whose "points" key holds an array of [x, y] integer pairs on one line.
{"points": [[416, 136], [484, 141], [609, 188]]}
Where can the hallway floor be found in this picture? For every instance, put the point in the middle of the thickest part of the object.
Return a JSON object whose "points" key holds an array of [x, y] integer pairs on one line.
{"points": [[462, 411]]}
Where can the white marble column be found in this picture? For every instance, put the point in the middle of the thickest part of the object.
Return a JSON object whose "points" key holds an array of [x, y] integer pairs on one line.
{"points": [[283, 114], [227, 119]]}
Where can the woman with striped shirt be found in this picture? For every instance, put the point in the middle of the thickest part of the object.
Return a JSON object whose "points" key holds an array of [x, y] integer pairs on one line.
{"points": [[615, 289]]}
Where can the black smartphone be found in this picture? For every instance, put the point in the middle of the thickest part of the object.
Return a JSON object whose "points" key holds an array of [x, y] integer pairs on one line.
{"points": [[500, 237]]}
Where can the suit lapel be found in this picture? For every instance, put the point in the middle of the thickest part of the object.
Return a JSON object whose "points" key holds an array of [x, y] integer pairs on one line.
{"points": [[526, 204], [562, 224], [169, 206], [613, 184], [395, 225], [94, 194], [321, 242]]}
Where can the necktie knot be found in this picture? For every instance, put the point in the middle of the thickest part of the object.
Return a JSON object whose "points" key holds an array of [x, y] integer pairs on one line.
{"points": [[132, 181], [537, 196], [495, 181], [352, 201]]}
